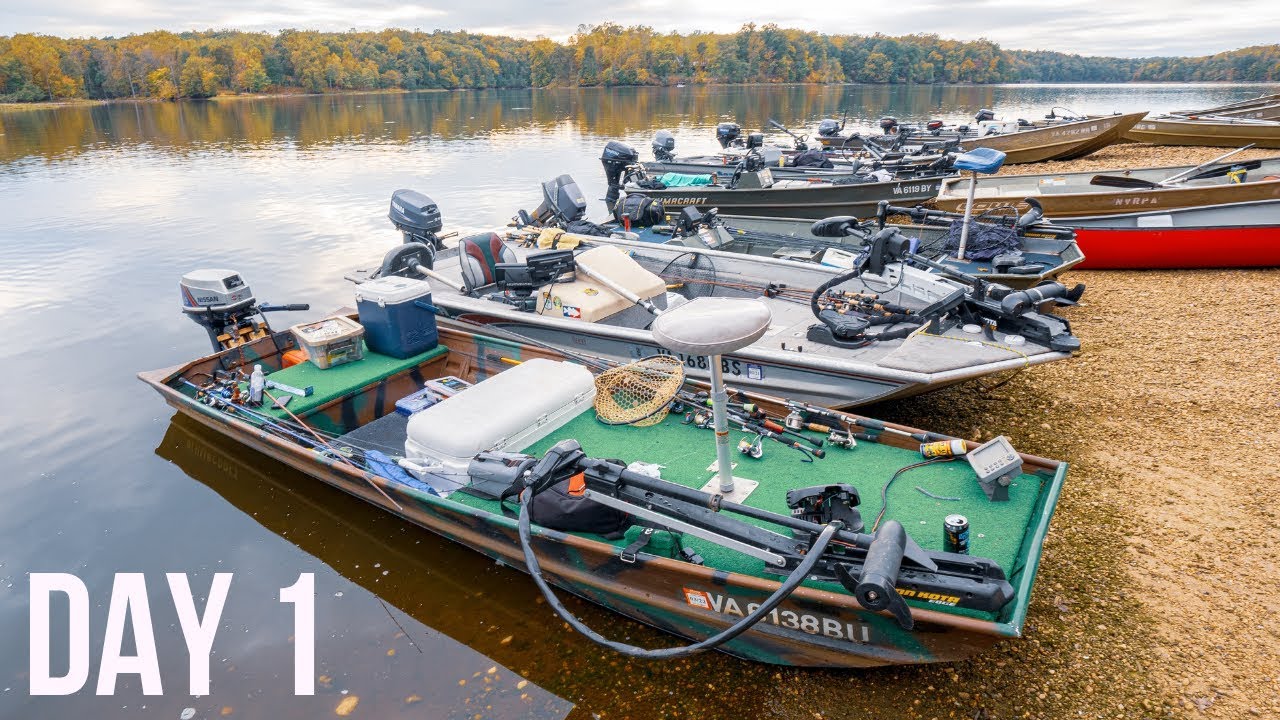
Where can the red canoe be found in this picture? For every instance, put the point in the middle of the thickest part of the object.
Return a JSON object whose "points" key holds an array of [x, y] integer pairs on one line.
{"points": [[1213, 236]]}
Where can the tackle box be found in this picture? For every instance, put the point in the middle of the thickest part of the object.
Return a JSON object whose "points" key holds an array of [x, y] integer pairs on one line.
{"points": [[433, 392], [331, 341], [421, 400], [395, 324]]}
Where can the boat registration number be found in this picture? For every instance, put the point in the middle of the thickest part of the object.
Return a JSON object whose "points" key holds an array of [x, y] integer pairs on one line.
{"points": [[728, 366], [805, 622]]}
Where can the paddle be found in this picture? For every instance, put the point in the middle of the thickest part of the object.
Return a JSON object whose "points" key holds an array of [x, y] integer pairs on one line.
{"points": [[1122, 181]]}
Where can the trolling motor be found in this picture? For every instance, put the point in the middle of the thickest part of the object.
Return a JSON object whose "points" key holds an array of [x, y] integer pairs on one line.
{"points": [[664, 146], [616, 158], [417, 217], [872, 567], [1024, 314], [223, 304]]}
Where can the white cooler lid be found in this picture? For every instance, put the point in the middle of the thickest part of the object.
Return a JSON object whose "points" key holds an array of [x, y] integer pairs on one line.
{"points": [[505, 406], [392, 289]]}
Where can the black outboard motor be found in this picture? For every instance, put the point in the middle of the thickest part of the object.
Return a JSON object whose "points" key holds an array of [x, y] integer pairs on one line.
{"points": [[417, 217], [727, 132], [562, 200], [664, 146], [984, 114], [617, 156], [829, 127], [889, 125]]}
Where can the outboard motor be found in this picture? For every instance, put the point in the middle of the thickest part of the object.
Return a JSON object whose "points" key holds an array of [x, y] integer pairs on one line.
{"points": [[223, 304], [617, 156], [664, 146], [727, 132], [829, 127], [934, 126], [889, 125], [984, 115], [562, 200], [417, 217], [755, 140]]}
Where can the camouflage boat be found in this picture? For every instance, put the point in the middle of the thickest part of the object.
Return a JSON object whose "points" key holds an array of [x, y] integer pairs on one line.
{"points": [[890, 596]]}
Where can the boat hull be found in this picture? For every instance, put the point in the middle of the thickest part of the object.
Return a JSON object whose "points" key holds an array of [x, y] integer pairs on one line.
{"points": [[1071, 195], [1065, 141], [1059, 141], [1205, 133], [811, 203], [1236, 235]]}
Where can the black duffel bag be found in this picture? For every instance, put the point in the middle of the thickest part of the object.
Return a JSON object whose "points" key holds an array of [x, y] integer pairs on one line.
{"points": [[641, 211], [555, 508]]}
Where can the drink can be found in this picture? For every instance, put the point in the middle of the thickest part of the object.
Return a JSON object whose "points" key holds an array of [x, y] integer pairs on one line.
{"points": [[943, 448], [955, 534]]}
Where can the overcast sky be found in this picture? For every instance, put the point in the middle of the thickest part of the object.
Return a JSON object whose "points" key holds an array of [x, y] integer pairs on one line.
{"points": [[1091, 27]]}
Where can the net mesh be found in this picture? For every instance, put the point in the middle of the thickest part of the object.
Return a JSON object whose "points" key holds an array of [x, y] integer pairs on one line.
{"points": [[638, 393]]}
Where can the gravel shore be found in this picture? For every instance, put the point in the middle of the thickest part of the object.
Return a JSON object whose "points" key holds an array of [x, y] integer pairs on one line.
{"points": [[1159, 591]]}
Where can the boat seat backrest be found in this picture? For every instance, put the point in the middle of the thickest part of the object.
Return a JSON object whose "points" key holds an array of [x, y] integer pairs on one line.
{"points": [[478, 257]]}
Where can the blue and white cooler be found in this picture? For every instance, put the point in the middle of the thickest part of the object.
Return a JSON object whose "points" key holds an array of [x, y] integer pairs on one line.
{"points": [[394, 322]]}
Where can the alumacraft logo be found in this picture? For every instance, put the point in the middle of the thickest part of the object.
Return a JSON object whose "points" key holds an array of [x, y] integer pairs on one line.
{"points": [[813, 624], [684, 200]]}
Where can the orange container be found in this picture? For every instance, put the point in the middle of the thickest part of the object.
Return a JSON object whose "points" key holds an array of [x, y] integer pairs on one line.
{"points": [[294, 357]]}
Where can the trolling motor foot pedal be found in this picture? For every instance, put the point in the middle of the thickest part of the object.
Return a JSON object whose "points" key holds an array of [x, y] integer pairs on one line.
{"points": [[742, 488]]}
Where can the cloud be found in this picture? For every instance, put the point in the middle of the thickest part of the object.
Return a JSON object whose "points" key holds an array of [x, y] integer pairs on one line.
{"points": [[1088, 27]]}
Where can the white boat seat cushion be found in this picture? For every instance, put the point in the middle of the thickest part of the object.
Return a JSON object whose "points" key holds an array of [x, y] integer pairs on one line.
{"points": [[712, 326]]}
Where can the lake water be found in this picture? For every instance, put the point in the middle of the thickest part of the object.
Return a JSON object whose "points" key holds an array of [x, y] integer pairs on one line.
{"points": [[102, 208]]}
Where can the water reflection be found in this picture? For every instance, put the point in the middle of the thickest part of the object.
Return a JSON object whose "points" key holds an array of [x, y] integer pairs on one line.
{"points": [[304, 122]]}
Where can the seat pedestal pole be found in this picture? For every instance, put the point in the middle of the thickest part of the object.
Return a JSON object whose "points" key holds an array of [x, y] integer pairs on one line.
{"points": [[720, 421]]}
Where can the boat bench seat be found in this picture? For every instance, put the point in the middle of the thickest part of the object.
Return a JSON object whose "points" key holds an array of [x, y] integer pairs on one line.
{"points": [[339, 380]]}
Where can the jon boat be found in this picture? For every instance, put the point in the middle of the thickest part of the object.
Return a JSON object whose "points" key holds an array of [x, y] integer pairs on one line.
{"points": [[1212, 236], [751, 189], [1020, 252], [1057, 141], [1068, 195], [786, 545], [1206, 130], [600, 296], [1264, 107]]}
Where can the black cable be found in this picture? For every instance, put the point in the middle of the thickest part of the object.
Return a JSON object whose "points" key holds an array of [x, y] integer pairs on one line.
{"points": [[884, 491], [793, 581]]}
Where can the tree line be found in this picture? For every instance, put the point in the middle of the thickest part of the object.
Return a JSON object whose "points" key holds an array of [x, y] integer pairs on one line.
{"points": [[168, 65]]}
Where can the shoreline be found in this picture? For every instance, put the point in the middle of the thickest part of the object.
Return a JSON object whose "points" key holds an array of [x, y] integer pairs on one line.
{"points": [[298, 92]]}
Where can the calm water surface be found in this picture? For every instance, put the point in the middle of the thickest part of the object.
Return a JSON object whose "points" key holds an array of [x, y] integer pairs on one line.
{"points": [[103, 208]]}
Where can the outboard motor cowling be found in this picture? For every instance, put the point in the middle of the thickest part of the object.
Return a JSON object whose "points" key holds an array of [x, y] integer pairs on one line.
{"points": [[617, 156], [221, 302], [664, 146], [562, 200], [829, 127], [416, 216], [984, 115], [727, 132], [889, 125]]}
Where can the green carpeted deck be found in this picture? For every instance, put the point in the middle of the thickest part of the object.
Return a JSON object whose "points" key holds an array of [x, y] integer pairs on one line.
{"points": [[339, 380], [996, 529]]}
